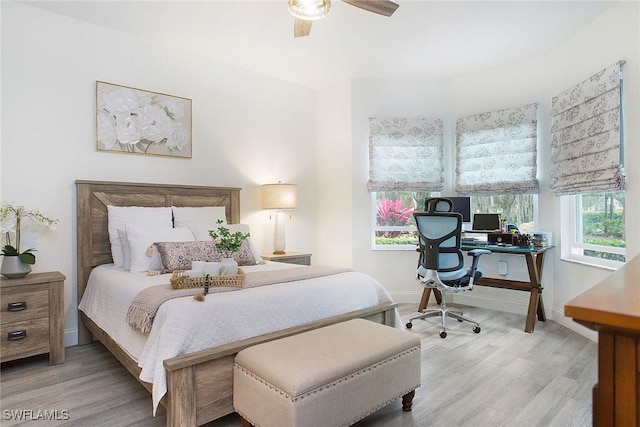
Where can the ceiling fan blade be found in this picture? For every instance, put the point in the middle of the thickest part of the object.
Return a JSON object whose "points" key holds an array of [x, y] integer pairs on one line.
{"points": [[301, 28], [381, 7]]}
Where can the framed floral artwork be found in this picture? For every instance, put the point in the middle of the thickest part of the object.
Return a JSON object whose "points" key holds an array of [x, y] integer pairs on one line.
{"points": [[137, 121]]}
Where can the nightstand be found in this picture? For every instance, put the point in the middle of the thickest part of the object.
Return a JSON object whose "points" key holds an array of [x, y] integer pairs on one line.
{"points": [[32, 316], [289, 258]]}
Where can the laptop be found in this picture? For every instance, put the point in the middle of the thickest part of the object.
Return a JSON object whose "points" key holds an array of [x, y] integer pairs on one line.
{"points": [[486, 222]]}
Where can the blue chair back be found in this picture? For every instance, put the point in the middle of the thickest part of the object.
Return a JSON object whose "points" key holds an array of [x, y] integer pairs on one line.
{"points": [[439, 240]]}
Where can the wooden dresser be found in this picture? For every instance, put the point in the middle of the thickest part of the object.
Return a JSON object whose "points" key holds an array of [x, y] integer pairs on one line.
{"points": [[32, 316], [612, 308]]}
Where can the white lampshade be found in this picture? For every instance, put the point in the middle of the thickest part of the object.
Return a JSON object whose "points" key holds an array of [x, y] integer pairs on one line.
{"points": [[309, 10], [280, 196]]}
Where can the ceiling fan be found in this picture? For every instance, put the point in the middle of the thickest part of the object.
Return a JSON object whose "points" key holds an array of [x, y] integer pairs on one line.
{"points": [[307, 11]]}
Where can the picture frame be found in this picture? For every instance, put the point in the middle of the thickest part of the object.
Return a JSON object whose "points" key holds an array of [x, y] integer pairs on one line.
{"points": [[137, 121]]}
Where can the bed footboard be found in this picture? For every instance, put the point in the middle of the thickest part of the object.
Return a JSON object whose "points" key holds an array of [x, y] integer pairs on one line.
{"points": [[206, 377]]}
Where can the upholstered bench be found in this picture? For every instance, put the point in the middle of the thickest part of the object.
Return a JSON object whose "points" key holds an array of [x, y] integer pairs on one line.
{"points": [[332, 376]]}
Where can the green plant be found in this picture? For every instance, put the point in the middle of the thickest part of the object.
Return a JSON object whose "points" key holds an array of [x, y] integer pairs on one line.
{"points": [[11, 218], [227, 242], [391, 212]]}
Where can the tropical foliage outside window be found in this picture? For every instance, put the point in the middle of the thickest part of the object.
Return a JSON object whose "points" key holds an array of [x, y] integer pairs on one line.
{"points": [[394, 224], [514, 209], [600, 231]]}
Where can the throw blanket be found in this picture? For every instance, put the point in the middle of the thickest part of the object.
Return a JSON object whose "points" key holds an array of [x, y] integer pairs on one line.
{"points": [[145, 305]]}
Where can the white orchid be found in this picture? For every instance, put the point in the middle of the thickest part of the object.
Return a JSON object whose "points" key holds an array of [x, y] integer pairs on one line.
{"points": [[11, 218]]}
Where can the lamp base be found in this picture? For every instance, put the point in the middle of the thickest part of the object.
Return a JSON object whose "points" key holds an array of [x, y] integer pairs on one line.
{"points": [[279, 252], [278, 235]]}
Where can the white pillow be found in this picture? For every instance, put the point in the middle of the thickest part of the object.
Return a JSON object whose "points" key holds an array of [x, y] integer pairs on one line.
{"points": [[118, 216], [142, 238], [198, 218], [126, 249]]}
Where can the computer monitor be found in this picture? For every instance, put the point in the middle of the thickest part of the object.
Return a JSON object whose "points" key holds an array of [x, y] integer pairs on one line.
{"points": [[462, 205], [486, 222]]}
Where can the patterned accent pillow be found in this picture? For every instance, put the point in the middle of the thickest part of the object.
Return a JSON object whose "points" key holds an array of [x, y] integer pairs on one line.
{"points": [[179, 255], [244, 256]]}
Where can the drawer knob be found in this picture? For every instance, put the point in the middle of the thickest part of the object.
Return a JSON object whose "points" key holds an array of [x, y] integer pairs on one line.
{"points": [[17, 306], [17, 335]]}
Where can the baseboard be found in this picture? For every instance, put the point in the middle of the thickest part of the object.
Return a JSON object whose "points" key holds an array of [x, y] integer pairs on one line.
{"points": [[493, 303], [407, 297], [559, 317], [70, 337]]}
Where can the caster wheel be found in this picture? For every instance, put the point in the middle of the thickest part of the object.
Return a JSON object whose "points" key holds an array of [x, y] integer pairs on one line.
{"points": [[476, 329], [443, 334], [409, 325]]}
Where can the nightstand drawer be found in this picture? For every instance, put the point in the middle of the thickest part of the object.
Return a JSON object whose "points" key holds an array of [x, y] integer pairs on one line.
{"points": [[24, 304], [289, 258], [22, 339], [296, 260]]}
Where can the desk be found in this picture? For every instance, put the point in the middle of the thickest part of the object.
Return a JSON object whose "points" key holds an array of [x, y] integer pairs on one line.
{"points": [[535, 263], [612, 307]]}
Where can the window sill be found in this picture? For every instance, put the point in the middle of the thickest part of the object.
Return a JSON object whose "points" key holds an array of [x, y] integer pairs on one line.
{"points": [[611, 265], [394, 248]]}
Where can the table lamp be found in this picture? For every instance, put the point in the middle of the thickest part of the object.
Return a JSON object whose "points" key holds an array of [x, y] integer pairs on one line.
{"points": [[279, 197]]}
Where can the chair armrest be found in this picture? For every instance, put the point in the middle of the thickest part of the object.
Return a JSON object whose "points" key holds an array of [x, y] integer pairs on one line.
{"points": [[475, 253], [478, 252]]}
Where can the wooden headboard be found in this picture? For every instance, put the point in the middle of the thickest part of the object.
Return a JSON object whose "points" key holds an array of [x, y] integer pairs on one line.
{"points": [[92, 198]]}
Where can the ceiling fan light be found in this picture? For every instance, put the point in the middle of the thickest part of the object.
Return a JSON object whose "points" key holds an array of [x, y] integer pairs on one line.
{"points": [[309, 10]]}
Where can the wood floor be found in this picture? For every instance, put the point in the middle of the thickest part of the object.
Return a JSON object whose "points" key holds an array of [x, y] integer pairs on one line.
{"points": [[500, 377]]}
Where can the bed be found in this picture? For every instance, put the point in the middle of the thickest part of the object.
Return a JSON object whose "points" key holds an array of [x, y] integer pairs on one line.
{"points": [[199, 384]]}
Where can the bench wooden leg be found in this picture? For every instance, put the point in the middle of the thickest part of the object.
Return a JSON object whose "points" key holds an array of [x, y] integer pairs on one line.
{"points": [[407, 400]]}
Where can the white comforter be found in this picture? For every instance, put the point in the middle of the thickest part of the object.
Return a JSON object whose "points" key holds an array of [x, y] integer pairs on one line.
{"points": [[183, 325]]}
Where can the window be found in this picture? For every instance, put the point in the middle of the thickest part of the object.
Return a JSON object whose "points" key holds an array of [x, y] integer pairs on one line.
{"points": [[598, 232], [394, 227], [405, 166], [587, 151], [517, 209], [393, 224]]}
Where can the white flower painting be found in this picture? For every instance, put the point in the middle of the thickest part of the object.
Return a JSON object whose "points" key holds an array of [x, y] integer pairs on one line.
{"points": [[137, 121]]}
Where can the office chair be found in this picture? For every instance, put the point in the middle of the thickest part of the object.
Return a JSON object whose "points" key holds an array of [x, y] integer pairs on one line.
{"points": [[438, 204], [441, 263]]}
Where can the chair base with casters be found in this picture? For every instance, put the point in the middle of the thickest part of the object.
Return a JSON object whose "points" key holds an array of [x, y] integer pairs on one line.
{"points": [[461, 280], [444, 311]]}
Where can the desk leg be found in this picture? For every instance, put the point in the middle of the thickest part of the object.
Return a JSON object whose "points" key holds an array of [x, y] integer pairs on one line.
{"points": [[541, 315], [536, 306], [426, 294], [531, 312], [539, 265]]}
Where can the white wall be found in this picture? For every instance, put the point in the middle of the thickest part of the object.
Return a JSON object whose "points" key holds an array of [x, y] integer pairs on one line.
{"points": [[614, 35], [334, 194], [248, 129]]}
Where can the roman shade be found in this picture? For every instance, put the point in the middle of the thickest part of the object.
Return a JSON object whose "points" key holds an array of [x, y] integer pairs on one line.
{"points": [[586, 144], [405, 154], [496, 152]]}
